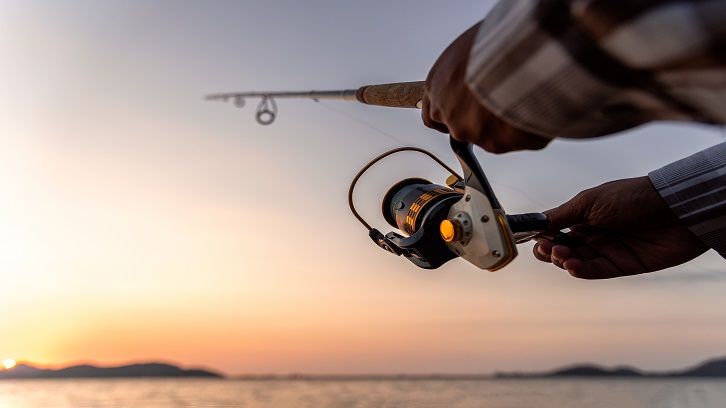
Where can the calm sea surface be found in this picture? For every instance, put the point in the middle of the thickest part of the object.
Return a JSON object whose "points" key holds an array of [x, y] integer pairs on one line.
{"points": [[580, 393]]}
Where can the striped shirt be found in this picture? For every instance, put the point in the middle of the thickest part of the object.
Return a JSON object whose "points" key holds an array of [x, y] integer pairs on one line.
{"points": [[585, 68]]}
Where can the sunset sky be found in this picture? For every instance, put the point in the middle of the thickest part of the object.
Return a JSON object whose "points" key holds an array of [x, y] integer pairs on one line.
{"points": [[139, 222]]}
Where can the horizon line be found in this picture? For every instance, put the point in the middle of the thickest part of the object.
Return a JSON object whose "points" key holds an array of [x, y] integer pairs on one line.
{"points": [[432, 375]]}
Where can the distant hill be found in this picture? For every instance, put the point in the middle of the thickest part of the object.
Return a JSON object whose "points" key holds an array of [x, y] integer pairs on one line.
{"points": [[711, 368], [595, 371], [583, 370], [88, 371]]}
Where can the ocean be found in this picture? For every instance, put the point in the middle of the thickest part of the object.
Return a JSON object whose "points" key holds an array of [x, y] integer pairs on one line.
{"points": [[490, 393]]}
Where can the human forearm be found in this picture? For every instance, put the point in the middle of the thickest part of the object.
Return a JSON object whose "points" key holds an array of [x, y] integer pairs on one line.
{"points": [[583, 69], [695, 190]]}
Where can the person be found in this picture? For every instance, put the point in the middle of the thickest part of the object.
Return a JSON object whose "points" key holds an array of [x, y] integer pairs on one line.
{"points": [[535, 70]]}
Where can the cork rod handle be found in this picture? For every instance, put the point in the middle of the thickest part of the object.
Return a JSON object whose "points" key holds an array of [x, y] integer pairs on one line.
{"points": [[396, 95]]}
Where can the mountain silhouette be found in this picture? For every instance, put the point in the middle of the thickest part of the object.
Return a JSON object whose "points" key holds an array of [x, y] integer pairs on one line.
{"points": [[710, 368], [90, 371], [595, 371]]}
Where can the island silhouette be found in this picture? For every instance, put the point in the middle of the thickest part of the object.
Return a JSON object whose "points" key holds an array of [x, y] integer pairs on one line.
{"points": [[710, 368], [27, 371]]}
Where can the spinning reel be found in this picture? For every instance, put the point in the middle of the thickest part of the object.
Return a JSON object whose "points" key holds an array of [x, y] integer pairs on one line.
{"points": [[440, 223]]}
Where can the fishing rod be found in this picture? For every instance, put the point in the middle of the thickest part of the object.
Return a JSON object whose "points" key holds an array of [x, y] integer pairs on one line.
{"points": [[438, 222], [394, 95]]}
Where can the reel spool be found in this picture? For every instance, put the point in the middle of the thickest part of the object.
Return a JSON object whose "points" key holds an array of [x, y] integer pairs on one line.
{"points": [[406, 203]]}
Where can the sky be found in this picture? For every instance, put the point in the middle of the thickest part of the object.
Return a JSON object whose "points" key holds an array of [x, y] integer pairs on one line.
{"points": [[139, 222]]}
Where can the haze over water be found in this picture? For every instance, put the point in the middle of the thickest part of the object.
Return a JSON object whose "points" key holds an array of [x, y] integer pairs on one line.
{"points": [[540, 393]]}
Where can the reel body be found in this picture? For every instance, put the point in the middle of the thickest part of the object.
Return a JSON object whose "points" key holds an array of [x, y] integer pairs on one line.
{"points": [[463, 219]]}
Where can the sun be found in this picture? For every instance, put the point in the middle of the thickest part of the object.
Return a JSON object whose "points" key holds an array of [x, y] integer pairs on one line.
{"points": [[9, 363]]}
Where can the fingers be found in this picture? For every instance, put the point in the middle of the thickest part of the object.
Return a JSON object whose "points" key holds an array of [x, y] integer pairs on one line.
{"points": [[426, 116], [474, 124], [598, 268], [559, 255], [431, 124], [546, 251], [499, 137], [584, 262], [576, 264], [542, 250], [570, 257]]}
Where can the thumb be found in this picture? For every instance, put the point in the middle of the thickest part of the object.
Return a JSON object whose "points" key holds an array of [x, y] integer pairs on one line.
{"points": [[573, 212]]}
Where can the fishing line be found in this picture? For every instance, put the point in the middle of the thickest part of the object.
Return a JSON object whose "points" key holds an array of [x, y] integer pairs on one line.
{"points": [[522, 192], [360, 121], [400, 95]]}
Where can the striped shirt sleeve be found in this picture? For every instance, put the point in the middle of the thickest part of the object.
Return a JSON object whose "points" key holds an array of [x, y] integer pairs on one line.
{"points": [[695, 190], [585, 68]]}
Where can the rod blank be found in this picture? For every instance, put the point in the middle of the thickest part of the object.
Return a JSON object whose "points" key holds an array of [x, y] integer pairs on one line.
{"points": [[393, 95]]}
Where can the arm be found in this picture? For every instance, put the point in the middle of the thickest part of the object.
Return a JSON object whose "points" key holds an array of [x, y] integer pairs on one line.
{"points": [[449, 106], [694, 189], [619, 228], [574, 68], [633, 226]]}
